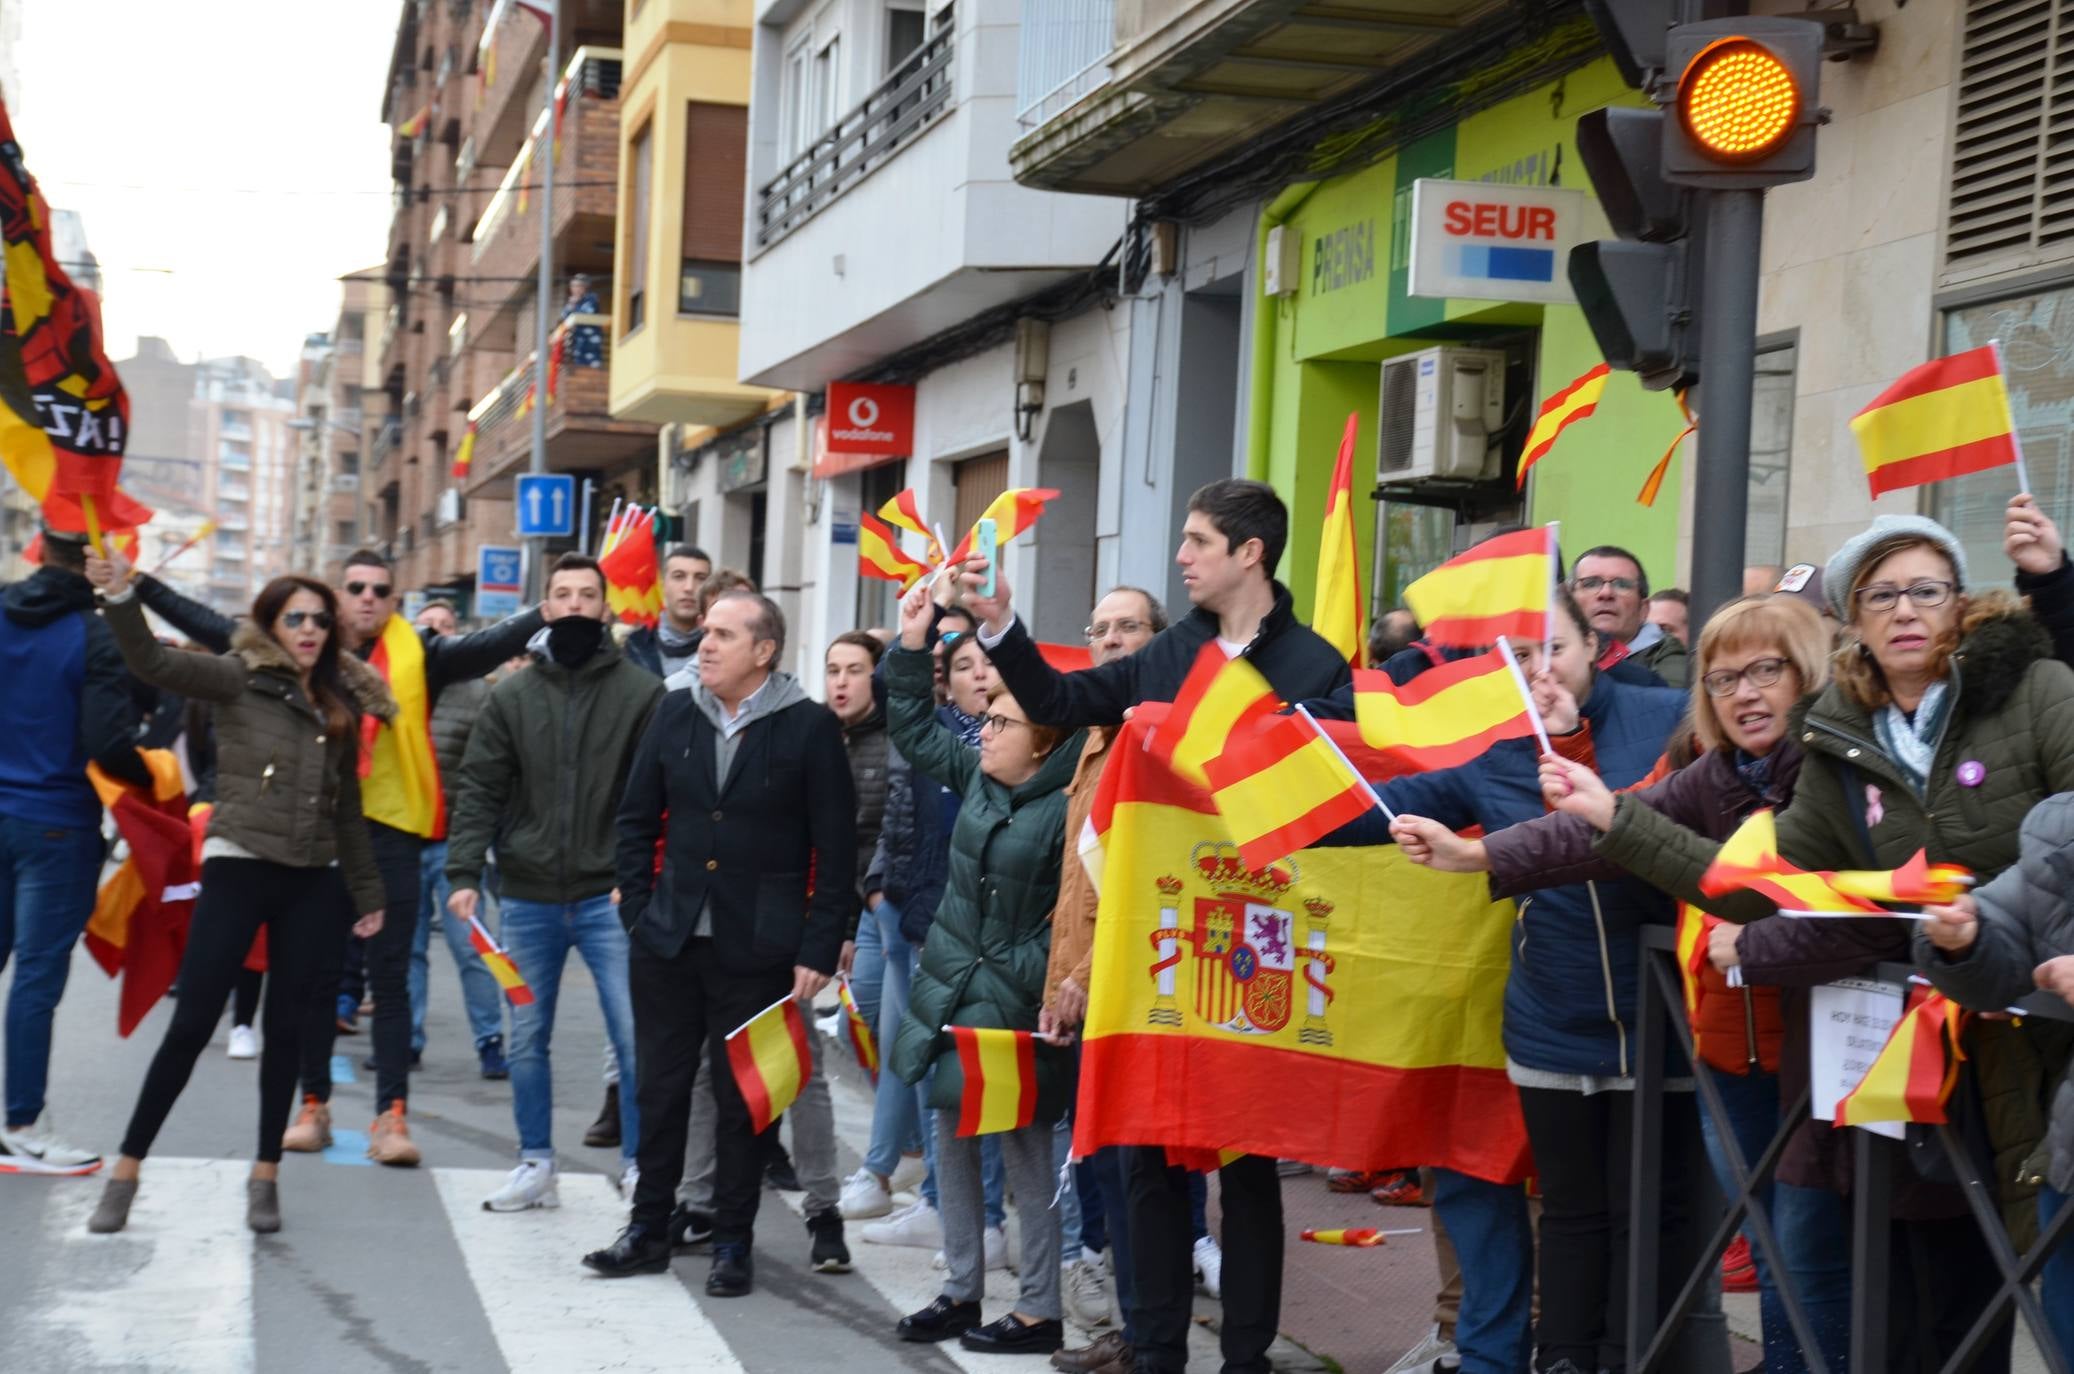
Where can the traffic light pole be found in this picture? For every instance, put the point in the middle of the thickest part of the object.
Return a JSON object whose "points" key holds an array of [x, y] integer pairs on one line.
{"points": [[1728, 345]]}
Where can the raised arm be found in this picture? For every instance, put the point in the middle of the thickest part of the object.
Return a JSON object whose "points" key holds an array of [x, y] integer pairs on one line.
{"points": [[202, 676], [1092, 696], [204, 625], [922, 740], [460, 658]]}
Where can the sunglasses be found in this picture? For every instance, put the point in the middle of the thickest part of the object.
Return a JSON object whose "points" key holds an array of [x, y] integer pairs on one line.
{"points": [[950, 637], [380, 589], [295, 620]]}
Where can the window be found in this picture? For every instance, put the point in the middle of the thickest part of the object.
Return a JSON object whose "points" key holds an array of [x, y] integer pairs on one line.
{"points": [[1771, 454], [904, 32], [2012, 202], [637, 257], [715, 170], [710, 288], [799, 92], [828, 80], [2037, 337]]}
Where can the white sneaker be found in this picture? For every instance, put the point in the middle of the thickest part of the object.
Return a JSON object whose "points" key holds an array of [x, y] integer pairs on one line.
{"points": [[918, 1226], [34, 1149], [1085, 1290], [864, 1197], [996, 1246], [908, 1175], [1209, 1267], [531, 1185], [1431, 1355], [244, 1042], [629, 1178]]}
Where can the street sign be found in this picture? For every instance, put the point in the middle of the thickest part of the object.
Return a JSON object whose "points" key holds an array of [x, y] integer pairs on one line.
{"points": [[546, 505], [498, 572]]}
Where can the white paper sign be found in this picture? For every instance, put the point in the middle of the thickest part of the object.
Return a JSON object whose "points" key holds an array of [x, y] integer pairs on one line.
{"points": [[1848, 1024]]}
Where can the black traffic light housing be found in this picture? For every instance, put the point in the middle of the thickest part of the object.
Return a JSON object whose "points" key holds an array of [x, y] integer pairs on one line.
{"points": [[1640, 294], [1796, 45]]}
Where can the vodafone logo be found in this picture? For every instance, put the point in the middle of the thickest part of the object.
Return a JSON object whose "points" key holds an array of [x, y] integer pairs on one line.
{"points": [[869, 420], [864, 412]]}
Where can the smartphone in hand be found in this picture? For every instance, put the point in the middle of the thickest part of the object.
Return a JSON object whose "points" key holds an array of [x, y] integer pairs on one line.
{"points": [[985, 544]]}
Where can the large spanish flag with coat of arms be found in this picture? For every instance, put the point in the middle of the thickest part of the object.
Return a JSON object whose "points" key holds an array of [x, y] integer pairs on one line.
{"points": [[1340, 1007]]}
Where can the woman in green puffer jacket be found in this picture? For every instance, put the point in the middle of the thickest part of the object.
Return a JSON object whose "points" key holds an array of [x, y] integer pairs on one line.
{"points": [[983, 965]]}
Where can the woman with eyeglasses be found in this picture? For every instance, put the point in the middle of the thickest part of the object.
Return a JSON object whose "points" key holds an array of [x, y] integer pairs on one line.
{"points": [[1948, 720], [1755, 659], [287, 848], [983, 964]]}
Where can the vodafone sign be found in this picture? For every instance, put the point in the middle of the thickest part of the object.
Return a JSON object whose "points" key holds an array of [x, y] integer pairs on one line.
{"points": [[870, 420]]}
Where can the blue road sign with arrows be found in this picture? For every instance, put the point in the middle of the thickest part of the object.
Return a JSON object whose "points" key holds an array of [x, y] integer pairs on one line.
{"points": [[546, 505]]}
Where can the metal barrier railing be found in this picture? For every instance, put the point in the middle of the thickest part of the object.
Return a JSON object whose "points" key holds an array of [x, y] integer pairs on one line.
{"points": [[1660, 1006]]}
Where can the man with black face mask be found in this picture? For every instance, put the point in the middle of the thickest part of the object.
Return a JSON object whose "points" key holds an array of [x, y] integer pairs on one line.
{"points": [[542, 777]]}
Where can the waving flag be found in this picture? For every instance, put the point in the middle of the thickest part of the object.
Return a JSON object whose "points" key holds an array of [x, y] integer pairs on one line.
{"points": [[1012, 512], [1282, 785], [858, 1030], [1749, 860], [633, 577], [127, 542], [1560, 411], [498, 961], [879, 554], [64, 417], [1912, 1076], [1000, 1069], [139, 925], [1916, 882], [415, 125], [904, 509], [1341, 1007], [1336, 612], [1500, 587], [1944, 419], [1218, 696], [1443, 717], [771, 1057]]}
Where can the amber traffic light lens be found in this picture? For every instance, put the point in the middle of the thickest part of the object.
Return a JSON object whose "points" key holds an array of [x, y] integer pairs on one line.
{"points": [[1737, 100]]}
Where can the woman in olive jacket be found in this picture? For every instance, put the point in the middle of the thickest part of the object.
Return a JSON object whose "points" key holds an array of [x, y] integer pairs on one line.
{"points": [[983, 964], [286, 846], [1947, 722]]}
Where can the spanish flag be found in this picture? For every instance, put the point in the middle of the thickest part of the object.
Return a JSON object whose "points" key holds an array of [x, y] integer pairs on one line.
{"points": [[904, 509], [1443, 717], [500, 965], [1912, 1077], [1749, 861], [1573, 403], [1336, 612], [1944, 419], [859, 1032], [771, 1057], [464, 456], [879, 554], [1012, 512], [1500, 587], [1218, 696], [415, 125], [126, 542], [1000, 1068], [633, 577], [1918, 882], [1281, 785], [139, 924]]}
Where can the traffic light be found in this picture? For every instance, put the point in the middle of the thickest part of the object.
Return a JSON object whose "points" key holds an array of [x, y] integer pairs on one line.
{"points": [[1744, 109], [1640, 293]]}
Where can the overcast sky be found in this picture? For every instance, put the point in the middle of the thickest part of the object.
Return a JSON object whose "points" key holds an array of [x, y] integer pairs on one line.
{"points": [[237, 144]]}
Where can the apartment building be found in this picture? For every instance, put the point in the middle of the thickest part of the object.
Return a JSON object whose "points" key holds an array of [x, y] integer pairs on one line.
{"points": [[238, 431]]}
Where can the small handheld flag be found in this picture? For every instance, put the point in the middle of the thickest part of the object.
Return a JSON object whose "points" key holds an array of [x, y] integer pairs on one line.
{"points": [[879, 554], [1365, 1237], [1282, 785], [1502, 586], [1944, 419], [633, 578], [1012, 512], [1000, 1068], [1912, 1076], [1218, 696], [771, 1058], [1560, 411], [499, 964], [1443, 717], [904, 509], [859, 1031]]}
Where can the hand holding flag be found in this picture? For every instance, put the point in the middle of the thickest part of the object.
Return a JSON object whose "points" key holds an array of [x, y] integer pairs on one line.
{"points": [[771, 1057]]}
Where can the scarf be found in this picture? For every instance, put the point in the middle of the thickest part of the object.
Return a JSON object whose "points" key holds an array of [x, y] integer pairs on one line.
{"points": [[675, 645], [1912, 742]]}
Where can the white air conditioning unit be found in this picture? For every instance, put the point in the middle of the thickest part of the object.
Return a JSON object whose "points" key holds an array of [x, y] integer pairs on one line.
{"points": [[1441, 412]]}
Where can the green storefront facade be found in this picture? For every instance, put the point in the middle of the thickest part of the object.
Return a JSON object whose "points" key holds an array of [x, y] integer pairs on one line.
{"points": [[1317, 354]]}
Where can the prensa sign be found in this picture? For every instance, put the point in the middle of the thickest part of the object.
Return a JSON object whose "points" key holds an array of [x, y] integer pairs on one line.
{"points": [[1487, 241]]}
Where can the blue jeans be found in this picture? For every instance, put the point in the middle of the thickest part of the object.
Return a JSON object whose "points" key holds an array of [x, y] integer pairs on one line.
{"points": [[479, 993], [1814, 1228], [1070, 1241], [47, 877], [1495, 1244], [2056, 1282], [539, 937], [1753, 1109], [883, 967]]}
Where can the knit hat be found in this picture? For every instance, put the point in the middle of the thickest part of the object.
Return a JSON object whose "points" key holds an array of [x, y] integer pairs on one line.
{"points": [[1841, 574]]}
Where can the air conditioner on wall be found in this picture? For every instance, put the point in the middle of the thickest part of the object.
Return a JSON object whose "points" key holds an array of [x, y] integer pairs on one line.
{"points": [[1440, 414]]}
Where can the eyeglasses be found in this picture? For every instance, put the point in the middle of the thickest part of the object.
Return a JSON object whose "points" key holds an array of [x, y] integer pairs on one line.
{"points": [[1101, 628], [295, 620], [380, 589], [950, 637], [1618, 584], [1885, 596], [999, 723], [1762, 672]]}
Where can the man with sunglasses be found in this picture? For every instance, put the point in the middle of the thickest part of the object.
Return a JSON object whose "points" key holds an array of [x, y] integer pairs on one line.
{"points": [[401, 795], [1609, 583]]}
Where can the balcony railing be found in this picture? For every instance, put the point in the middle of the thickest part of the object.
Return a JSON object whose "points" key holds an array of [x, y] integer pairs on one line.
{"points": [[858, 143], [389, 438], [501, 419], [593, 74], [1062, 54]]}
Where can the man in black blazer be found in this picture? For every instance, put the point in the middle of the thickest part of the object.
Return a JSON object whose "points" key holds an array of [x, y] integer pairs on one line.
{"points": [[755, 784]]}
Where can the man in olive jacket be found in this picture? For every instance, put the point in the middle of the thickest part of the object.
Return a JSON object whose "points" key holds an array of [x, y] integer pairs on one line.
{"points": [[541, 780]]}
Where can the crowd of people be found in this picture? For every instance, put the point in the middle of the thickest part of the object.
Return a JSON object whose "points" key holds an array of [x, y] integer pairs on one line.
{"points": [[675, 809]]}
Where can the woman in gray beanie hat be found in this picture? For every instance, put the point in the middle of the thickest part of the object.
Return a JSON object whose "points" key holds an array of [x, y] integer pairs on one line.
{"points": [[1948, 719]]}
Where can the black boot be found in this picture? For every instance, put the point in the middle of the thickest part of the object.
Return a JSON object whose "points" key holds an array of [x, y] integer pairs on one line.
{"points": [[732, 1275], [604, 1132]]}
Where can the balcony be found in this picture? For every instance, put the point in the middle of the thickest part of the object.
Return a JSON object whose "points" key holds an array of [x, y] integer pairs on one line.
{"points": [[1182, 82], [505, 249], [508, 72], [842, 271], [386, 440], [581, 432]]}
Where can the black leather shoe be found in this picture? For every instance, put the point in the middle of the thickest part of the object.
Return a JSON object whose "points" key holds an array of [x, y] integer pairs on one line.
{"points": [[939, 1321], [1008, 1336], [689, 1227], [732, 1275], [637, 1251]]}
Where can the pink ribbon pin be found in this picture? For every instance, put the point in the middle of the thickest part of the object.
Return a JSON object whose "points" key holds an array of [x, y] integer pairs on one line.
{"points": [[1874, 812]]}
